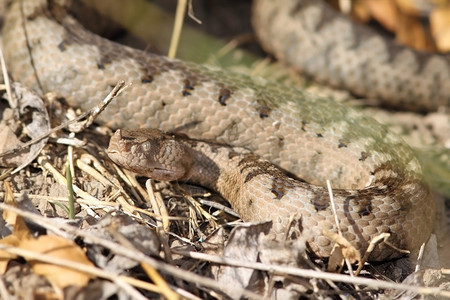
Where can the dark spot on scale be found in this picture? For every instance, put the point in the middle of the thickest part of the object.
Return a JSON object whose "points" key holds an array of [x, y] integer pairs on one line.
{"points": [[293, 235], [250, 201], [300, 225], [362, 205], [251, 175], [320, 203], [319, 135], [365, 212], [146, 79], [363, 156], [233, 154], [163, 103], [62, 46], [303, 125], [253, 166], [280, 185], [188, 87], [264, 111], [342, 143], [147, 74], [32, 17], [280, 141], [214, 149], [278, 193], [224, 95], [238, 189], [38, 11], [103, 61]]}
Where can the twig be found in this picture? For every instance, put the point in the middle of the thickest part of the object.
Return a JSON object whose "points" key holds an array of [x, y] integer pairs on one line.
{"points": [[71, 211], [375, 284], [12, 100], [90, 114], [177, 26], [333, 208]]}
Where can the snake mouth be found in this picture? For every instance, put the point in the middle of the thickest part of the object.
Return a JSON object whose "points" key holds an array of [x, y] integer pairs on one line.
{"points": [[113, 152], [109, 150]]}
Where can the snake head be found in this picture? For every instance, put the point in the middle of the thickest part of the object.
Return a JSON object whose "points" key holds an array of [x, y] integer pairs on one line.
{"points": [[151, 153]]}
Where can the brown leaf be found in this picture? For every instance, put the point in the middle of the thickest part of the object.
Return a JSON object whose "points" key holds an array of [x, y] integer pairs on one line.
{"points": [[20, 233], [29, 103], [440, 27], [5, 257], [344, 250], [58, 247], [9, 141], [408, 7], [360, 11], [411, 32], [401, 17], [336, 260], [385, 12]]}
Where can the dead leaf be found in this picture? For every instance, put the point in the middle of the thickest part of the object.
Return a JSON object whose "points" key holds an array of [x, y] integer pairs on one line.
{"points": [[51, 245], [20, 233], [32, 105], [29, 102], [126, 231], [401, 17], [344, 250], [408, 7], [360, 11], [244, 244], [5, 257], [440, 27], [58, 247], [10, 141], [253, 242], [385, 12], [411, 32], [336, 260]]}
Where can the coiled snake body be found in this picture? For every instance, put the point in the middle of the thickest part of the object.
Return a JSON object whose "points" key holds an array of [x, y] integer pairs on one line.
{"points": [[377, 180]]}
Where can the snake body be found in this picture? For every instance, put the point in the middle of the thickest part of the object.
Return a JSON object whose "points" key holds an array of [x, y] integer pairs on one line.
{"points": [[327, 46], [377, 179]]}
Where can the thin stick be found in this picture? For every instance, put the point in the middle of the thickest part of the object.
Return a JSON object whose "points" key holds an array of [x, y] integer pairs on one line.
{"points": [[12, 101], [333, 208], [177, 26], [94, 112]]}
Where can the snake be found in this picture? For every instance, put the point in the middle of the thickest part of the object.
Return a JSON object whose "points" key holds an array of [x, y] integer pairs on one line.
{"points": [[245, 132]]}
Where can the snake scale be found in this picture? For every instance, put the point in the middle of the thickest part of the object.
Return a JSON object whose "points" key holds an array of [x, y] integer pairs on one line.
{"points": [[377, 180]]}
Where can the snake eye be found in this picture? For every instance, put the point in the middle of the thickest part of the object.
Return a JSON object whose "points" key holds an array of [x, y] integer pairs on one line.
{"points": [[145, 146]]}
